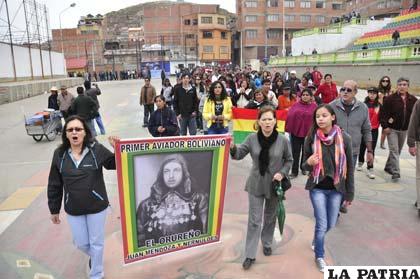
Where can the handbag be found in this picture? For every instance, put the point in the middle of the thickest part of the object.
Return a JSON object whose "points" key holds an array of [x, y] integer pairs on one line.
{"points": [[284, 183]]}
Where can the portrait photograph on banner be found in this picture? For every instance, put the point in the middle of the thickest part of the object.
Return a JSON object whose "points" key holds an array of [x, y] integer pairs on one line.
{"points": [[171, 193]]}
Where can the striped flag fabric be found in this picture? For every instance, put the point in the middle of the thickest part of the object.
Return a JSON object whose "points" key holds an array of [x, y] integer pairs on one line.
{"points": [[244, 122]]}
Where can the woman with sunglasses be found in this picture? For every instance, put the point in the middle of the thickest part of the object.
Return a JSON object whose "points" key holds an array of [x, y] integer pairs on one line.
{"points": [[384, 89], [76, 177], [217, 109]]}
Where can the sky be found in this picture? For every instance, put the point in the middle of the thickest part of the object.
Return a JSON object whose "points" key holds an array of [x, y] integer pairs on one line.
{"points": [[70, 17]]}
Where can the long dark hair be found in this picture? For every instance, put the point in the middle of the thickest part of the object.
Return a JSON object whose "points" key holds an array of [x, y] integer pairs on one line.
{"points": [[314, 126], [375, 102], [65, 141], [385, 89], [212, 96]]}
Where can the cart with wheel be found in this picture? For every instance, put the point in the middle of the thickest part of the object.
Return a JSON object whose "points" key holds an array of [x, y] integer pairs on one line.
{"points": [[43, 124]]}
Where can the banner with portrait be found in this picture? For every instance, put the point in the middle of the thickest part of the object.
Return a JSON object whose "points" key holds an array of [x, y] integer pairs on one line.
{"points": [[171, 193]]}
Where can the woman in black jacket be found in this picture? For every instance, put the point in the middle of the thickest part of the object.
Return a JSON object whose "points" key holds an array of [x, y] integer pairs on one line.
{"points": [[162, 122], [76, 175]]}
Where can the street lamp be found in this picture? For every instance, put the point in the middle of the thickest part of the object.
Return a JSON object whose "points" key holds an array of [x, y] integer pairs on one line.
{"points": [[283, 50], [72, 5]]}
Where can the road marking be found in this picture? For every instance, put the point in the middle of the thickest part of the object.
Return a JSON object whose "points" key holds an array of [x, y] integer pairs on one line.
{"points": [[21, 199], [23, 263], [43, 276], [7, 218]]}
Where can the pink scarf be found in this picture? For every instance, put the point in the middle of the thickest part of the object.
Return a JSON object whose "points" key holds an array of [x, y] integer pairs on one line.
{"points": [[334, 136]]}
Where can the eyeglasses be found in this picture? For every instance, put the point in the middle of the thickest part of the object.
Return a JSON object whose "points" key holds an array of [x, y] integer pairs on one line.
{"points": [[345, 89], [385, 80], [77, 129]]}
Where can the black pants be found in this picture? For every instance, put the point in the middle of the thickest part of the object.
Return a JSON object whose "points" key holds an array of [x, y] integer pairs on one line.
{"points": [[297, 151], [148, 109], [363, 148]]}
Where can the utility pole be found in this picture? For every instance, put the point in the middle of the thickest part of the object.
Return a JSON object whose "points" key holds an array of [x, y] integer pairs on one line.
{"points": [[161, 51], [93, 55], [185, 50], [11, 41], [137, 56], [49, 41], [29, 40], [283, 50], [39, 39]]}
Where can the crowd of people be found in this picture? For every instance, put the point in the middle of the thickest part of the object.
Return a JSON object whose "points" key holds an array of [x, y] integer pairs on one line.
{"points": [[329, 134]]}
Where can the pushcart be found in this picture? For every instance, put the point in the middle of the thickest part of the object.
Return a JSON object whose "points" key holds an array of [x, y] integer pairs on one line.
{"points": [[42, 125]]}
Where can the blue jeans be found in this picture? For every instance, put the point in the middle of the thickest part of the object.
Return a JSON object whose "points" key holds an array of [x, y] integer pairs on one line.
{"points": [[148, 110], [89, 236], [214, 129], [190, 123], [326, 204], [101, 126]]}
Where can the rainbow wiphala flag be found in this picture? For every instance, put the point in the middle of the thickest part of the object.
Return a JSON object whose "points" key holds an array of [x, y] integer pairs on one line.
{"points": [[244, 122]]}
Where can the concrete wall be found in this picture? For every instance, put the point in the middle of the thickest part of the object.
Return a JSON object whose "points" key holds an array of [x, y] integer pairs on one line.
{"points": [[23, 65], [366, 75], [14, 91]]}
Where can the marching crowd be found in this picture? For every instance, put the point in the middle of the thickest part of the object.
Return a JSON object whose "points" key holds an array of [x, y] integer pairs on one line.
{"points": [[329, 134]]}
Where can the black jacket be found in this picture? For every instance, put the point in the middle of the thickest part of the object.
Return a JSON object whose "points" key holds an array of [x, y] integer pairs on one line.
{"points": [[394, 114], [84, 186], [52, 102], [85, 107], [165, 118], [185, 101], [94, 92]]}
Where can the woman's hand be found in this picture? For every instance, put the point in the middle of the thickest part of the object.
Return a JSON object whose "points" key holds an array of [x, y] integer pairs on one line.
{"points": [[313, 160], [278, 176], [112, 140], [55, 219], [347, 203]]}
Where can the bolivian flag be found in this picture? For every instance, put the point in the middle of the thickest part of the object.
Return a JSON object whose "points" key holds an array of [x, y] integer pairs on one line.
{"points": [[244, 120]]}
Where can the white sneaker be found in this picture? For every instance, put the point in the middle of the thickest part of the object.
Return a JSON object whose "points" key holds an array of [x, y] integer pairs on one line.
{"points": [[370, 174], [313, 245], [359, 166], [320, 263]]}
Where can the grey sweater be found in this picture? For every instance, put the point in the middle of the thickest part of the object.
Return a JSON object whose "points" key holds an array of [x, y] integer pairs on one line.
{"points": [[346, 185], [280, 161], [413, 133], [356, 123]]}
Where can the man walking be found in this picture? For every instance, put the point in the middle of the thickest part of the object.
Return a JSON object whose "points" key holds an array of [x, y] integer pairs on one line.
{"points": [[85, 107], [186, 106], [147, 96], [395, 117], [65, 100], [94, 92], [413, 141], [353, 117]]}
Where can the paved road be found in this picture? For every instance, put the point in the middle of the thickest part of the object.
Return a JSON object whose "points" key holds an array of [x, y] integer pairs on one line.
{"points": [[380, 229]]}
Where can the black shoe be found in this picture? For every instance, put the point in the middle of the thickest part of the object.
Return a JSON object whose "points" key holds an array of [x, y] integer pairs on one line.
{"points": [[247, 263], [418, 212], [415, 204], [304, 172], [145, 125], [267, 251], [90, 264], [395, 176], [343, 209], [388, 171]]}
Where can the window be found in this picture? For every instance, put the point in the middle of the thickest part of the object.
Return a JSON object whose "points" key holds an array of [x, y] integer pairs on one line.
{"points": [[207, 48], [337, 6], [273, 17], [187, 21], [221, 20], [273, 34], [251, 34], [192, 49], [272, 3], [250, 18], [195, 21], [305, 4], [251, 4], [289, 3], [320, 4], [224, 49], [223, 35], [207, 34], [289, 18], [207, 20], [190, 36], [320, 19], [305, 18]]}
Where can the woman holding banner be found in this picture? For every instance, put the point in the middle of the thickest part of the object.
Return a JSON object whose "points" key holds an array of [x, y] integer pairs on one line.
{"points": [[217, 109], [271, 160], [328, 156], [77, 169]]}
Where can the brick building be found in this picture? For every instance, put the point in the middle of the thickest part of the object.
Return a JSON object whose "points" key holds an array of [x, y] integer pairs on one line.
{"points": [[377, 8]]}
